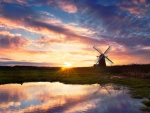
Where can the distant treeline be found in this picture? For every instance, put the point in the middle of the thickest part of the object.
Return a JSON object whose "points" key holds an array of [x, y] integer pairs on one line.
{"points": [[115, 69], [28, 67], [127, 68]]}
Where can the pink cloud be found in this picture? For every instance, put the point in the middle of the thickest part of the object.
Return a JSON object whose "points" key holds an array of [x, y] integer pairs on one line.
{"points": [[143, 1], [67, 7], [8, 40], [134, 10], [7, 1], [67, 32], [14, 1], [21, 1], [47, 41], [139, 1]]}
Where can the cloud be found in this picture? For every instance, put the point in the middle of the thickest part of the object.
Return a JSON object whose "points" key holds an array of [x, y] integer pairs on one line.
{"points": [[26, 63], [115, 19], [6, 59], [143, 1], [80, 23], [13, 1], [123, 23], [8, 40], [134, 9], [7, 1], [11, 96], [70, 35], [28, 22], [45, 41], [17, 11], [133, 41], [125, 55], [37, 25], [66, 6]]}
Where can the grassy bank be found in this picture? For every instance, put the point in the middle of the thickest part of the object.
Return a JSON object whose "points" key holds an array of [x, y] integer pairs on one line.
{"points": [[136, 77]]}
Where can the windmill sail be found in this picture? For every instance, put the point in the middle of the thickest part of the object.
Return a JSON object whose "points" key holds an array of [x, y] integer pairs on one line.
{"points": [[101, 58]]}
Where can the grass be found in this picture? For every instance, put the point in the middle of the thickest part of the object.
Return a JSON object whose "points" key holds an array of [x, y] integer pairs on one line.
{"points": [[147, 103], [135, 77]]}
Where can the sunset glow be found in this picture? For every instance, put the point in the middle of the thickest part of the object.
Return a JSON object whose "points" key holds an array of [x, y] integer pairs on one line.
{"points": [[49, 33], [67, 65]]}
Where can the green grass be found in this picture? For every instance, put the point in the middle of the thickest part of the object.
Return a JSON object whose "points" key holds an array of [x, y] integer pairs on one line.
{"points": [[147, 103], [139, 86]]}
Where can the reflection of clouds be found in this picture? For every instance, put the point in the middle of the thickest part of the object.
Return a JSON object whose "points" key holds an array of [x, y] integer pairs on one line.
{"points": [[7, 105], [80, 107], [12, 93], [58, 97]]}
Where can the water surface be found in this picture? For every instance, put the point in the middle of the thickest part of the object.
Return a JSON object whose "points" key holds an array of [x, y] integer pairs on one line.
{"points": [[61, 98]]}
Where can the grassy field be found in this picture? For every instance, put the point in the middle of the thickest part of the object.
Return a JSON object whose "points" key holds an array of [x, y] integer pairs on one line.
{"points": [[136, 77]]}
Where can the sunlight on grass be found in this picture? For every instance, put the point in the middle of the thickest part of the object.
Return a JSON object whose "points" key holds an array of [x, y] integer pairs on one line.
{"points": [[67, 71]]}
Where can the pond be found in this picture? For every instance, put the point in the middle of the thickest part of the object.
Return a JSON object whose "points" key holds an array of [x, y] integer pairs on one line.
{"points": [[63, 98]]}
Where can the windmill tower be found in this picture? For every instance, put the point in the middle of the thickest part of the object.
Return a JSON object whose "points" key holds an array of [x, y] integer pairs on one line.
{"points": [[100, 62]]}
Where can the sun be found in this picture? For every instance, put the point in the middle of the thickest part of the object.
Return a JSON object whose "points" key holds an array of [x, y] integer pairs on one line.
{"points": [[67, 65]]}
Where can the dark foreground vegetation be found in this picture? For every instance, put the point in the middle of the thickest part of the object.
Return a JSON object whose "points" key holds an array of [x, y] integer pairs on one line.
{"points": [[136, 77]]}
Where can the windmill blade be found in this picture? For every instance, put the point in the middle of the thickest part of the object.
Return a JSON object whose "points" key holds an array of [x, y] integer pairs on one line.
{"points": [[100, 87], [97, 49], [97, 59], [107, 50], [96, 92], [108, 62], [103, 86], [107, 90], [108, 59]]}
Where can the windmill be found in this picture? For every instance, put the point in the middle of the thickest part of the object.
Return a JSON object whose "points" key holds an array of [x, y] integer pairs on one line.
{"points": [[100, 62], [102, 86]]}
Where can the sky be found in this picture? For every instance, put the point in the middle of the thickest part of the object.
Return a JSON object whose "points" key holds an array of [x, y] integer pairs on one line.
{"points": [[59, 32]]}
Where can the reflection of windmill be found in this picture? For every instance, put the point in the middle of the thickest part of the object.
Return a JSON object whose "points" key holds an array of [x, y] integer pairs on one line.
{"points": [[101, 58], [102, 86]]}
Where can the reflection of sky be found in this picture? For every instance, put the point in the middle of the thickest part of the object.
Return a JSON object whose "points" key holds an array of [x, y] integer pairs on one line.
{"points": [[61, 98]]}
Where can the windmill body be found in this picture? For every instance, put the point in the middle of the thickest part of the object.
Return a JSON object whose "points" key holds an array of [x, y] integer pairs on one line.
{"points": [[101, 58], [102, 62]]}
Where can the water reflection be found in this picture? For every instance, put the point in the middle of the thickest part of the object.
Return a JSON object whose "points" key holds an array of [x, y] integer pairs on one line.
{"points": [[60, 98]]}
